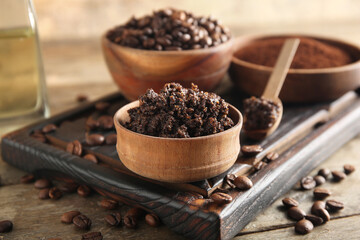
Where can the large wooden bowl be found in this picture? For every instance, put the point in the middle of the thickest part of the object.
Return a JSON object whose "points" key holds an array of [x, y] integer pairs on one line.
{"points": [[301, 85], [177, 159], [136, 70]]}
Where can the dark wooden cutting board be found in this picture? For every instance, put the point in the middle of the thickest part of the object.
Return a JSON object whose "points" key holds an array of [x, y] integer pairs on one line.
{"points": [[307, 135]]}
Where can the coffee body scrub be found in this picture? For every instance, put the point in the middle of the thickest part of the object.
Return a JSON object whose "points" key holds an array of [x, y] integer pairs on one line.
{"points": [[178, 112], [260, 113], [170, 30]]}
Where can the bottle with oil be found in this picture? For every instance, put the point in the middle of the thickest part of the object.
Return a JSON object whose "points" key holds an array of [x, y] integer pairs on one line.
{"points": [[22, 81]]}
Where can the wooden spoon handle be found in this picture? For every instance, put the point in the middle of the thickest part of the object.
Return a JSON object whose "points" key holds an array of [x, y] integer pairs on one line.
{"points": [[281, 68]]}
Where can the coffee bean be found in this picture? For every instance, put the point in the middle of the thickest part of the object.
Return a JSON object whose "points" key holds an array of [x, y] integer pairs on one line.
{"points": [[251, 150], [81, 98], [314, 219], [304, 226], [260, 165], [92, 236], [271, 156], [6, 226], [323, 213], [290, 202], [102, 106], [321, 193], [55, 193], [108, 204], [243, 183], [49, 128], [221, 198], [319, 180], [229, 180], [106, 122], [334, 205], [81, 221], [152, 220], [296, 213], [94, 139], [84, 191], [44, 193], [111, 139], [92, 123], [39, 136], [130, 222], [113, 219], [69, 216], [74, 147], [348, 169], [68, 187], [317, 205], [325, 172], [136, 212], [42, 183], [308, 183], [338, 176], [91, 157], [28, 178]]}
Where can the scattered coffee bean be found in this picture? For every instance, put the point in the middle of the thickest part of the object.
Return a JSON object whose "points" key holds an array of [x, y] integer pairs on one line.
{"points": [[296, 213], [308, 183], [319, 180], [221, 198], [6, 226], [325, 172], [321, 193], [113, 219], [55, 193], [91, 123], [130, 222], [28, 178], [251, 150], [108, 204], [84, 191], [334, 205], [229, 180], [338, 176], [271, 156], [91, 157], [69, 216], [106, 122], [152, 220], [323, 213], [94, 139], [102, 106], [92, 236], [136, 212], [42, 183], [74, 147], [44, 193], [260, 165], [81, 98], [68, 187], [290, 202], [111, 139], [317, 205], [81, 221], [348, 169], [314, 219], [304, 226], [49, 128], [243, 183]]}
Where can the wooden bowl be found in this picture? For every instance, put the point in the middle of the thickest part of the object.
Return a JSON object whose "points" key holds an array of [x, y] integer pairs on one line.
{"points": [[177, 159], [136, 70], [301, 85]]}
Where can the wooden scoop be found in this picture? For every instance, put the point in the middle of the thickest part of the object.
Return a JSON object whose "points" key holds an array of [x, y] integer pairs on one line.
{"points": [[274, 86]]}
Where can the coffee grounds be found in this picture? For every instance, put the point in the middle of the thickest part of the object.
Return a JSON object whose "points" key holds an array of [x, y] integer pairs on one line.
{"points": [[310, 54]]}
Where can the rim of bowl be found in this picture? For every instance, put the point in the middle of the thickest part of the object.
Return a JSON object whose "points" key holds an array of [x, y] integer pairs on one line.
{"points": [[251, 38], [237, 125], [229, 43]]}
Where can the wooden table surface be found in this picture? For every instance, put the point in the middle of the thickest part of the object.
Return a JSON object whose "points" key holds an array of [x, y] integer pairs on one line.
{"points": [[74, 68]]}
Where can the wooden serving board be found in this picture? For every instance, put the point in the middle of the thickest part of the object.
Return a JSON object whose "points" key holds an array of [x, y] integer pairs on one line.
{"points": [[307, 135]]}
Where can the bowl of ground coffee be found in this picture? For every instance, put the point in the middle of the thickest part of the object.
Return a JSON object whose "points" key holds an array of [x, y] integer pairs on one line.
{"points": [[178, 134], [145, 52], [323, 69]]}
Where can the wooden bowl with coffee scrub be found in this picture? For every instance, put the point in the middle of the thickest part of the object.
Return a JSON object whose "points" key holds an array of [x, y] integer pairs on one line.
{"points": [[310, 78], [177, 159]]}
